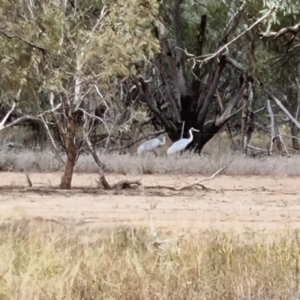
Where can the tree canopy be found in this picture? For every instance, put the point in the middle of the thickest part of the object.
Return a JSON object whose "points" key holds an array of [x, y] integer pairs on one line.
{"points": [[115, 67]]}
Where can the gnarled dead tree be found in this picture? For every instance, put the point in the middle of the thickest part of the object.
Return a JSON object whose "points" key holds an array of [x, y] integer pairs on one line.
{"points": [[194, 101]]}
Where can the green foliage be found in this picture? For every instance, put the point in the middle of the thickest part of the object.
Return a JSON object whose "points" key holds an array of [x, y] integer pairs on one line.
{"points": [[125, 39], [94, 42], [282, 8], [97, 44]]}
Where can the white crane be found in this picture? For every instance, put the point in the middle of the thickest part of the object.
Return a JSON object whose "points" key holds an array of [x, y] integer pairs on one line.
{"points": [[151, 145], [181, 144]]}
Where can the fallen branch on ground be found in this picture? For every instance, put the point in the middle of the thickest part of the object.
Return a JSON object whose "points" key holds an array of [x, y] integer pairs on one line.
{"points": [[192, 185], [121, 185], [127, 184]]}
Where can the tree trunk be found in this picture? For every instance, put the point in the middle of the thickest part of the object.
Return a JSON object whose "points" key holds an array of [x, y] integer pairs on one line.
{"points": [[275, 135], [244, 120], [248, 130], [247, 119], [66, 179], [295, 139], [209, 131], [200, 139]]}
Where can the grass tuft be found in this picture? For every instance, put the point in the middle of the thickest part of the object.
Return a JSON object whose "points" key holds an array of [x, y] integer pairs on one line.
{"points": [[44, 260]]}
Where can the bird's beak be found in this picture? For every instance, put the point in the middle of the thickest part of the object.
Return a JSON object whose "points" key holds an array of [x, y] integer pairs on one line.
{"points": [[197, 130]]}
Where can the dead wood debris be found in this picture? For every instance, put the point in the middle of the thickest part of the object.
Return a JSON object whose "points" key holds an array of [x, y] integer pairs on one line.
{"points": [[121, 185], [129, 184], [196, 184]]}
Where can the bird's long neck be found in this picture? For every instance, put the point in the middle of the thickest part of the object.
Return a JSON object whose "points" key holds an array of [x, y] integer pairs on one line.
{"points": [[191, 135]]}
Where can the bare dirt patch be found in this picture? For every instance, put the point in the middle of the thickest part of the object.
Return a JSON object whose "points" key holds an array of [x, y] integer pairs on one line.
{"points": [[238, 203]]}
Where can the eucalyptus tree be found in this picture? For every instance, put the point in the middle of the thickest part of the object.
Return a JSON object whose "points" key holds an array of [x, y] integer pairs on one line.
{"points": [[65, 57], [213, 55], [283, 64]]}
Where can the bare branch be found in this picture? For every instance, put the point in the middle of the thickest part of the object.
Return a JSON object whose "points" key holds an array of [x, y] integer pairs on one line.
{"points": [[213, 86], [236, 65], [257, 149], [185, 187], [220, 101], [275, 34], [59, 158], [174, 99], [7, 116], [102, 15], [96, 117], [203, 180], [18, 121], [94, 154], [280, 105], [49, 133], [180, 55], [272, 121], [168, 125], [233, 23], [99, 93], [227, 113], [225, 47]]}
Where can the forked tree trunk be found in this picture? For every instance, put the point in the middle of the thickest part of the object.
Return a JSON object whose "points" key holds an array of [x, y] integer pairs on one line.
{"points": [[66, 179]]}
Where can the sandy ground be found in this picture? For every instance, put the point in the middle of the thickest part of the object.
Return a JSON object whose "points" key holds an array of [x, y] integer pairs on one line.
{"points": [[238, 203]]}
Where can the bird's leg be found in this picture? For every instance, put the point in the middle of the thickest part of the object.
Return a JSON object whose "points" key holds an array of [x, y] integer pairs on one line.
{"points": [[154, 153]]}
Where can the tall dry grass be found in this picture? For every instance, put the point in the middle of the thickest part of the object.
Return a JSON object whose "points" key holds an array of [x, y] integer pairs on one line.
{"points": [[237, 163], [218, 153], [41, 260]]}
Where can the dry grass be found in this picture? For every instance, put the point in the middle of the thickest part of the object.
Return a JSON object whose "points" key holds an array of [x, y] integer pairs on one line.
{"points": [[41, 260], [205, 165], [218, 154], [149, 164]]}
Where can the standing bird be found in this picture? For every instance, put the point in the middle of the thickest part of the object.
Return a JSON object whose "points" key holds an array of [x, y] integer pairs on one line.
{"points": [[150, 145], [181, 144]]}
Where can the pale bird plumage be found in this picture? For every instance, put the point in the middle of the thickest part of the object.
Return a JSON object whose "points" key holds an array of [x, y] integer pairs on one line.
{"points": [[151, 145], [181, 144]]}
